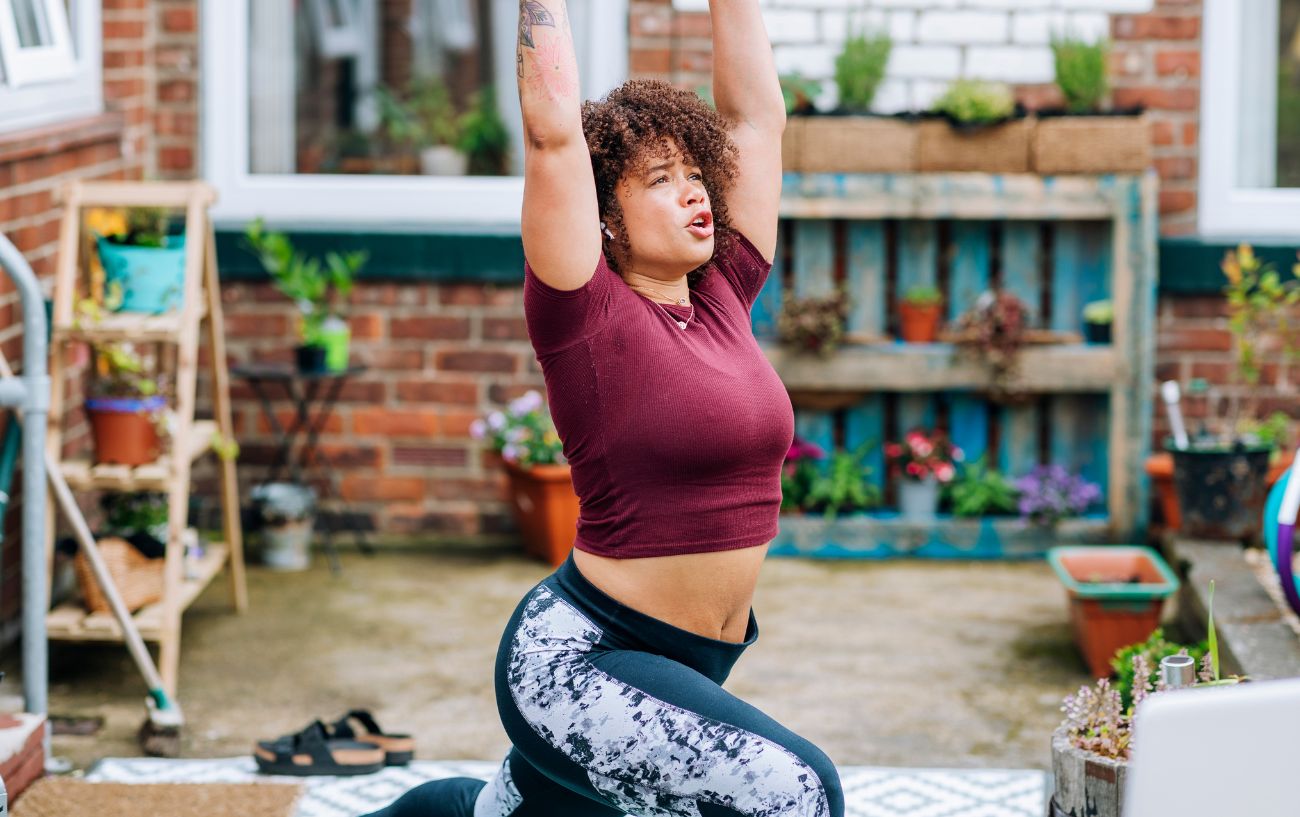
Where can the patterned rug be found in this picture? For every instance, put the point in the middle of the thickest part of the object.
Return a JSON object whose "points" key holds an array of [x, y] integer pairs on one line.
{"points": [[870, 791]]}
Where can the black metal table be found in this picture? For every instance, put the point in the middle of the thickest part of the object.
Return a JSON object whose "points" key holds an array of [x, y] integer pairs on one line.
{"points": [[305, 389]]}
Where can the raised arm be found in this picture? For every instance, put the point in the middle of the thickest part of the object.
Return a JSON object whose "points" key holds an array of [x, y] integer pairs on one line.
{"points": [[748, 95], [561, 222]]}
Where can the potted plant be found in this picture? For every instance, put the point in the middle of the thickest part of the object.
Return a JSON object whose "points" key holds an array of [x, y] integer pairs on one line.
{"points": [[978, 490], [426, 122], [319, 289], [1116, 596], [924, 461], [975, 126], [993, 331], [1097, 319], [126, 406], [484, 137], [814, 324], [1091, 748], [798, 473], [919, 314], [844, 486], [140, 258], [542, 497], [851, 139], [1083, 138], [1221, 477], [1050, 493], [286, 515]]}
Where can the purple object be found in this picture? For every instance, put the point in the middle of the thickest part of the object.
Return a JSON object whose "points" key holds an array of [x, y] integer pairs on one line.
{"points": [[126, 405]]}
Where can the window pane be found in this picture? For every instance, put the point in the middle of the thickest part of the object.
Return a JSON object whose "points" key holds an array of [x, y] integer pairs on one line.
{"points": [[396, 102], [33, 25], [1288, 95]]}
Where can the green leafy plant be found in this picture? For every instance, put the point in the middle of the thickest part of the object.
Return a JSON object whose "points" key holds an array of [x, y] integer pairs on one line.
{"points": [[523, 434], [423, 116], [923, 295], [860, 66], [976, 102], [318, 288], [1081, 72], [814, 324], [1099, 312], [798, 92], [142, 511], [798, 473], [1153, 649], [845, 485], [485, 137], [979, 490], [143, 227], [119, 370]]}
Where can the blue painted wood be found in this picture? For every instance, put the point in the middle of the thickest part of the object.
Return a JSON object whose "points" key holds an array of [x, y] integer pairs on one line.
{"points": [[767, 306], [866, 264], [816, 427], [1022, 276], [917, 255], [814, 262], [1079, 433], [968, 277], [916, 411], [865, 423]]}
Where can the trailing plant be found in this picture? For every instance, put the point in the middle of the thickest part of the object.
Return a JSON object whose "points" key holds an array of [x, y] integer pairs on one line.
{"points": [[1099, 312], [523, 434], [798, 92], [979, 490], [845, 485], [1050, 493], [320, 289], [923, 295], [1081, 72], [922, 454], [1098, 720], [993, 331], [814, 324], [798, 473], [1153, 649], [860, 66], [976, 102]]}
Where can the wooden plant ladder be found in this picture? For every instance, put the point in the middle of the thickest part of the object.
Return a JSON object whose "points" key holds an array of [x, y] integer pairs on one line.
{"points": [[170, 474]]}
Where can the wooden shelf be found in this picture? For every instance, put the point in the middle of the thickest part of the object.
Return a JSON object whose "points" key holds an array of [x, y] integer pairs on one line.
{"points": [[72, 622], [129, 326], [83, 475], [931, 367]]}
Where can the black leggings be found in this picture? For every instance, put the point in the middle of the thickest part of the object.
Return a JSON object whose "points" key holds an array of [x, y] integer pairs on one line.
{"points": [[614, 712]]}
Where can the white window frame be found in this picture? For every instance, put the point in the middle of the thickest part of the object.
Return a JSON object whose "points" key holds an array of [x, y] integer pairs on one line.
{"points": [[342, 40], [388, 203], [27, 65], [35, 94], [1238, 82]]}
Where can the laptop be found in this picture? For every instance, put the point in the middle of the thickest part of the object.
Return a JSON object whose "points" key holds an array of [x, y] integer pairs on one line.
{"points": [[1218, 751]]}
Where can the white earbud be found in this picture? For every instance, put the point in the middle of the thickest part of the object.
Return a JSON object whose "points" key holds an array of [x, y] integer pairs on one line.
{"points": [[604, 229]]}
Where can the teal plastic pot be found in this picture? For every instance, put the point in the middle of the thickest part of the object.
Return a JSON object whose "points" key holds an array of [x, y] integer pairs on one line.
{"points": [[152, 278]]}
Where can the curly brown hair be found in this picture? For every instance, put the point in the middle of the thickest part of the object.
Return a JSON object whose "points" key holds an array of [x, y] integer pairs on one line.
{"points": [[628, 128]]}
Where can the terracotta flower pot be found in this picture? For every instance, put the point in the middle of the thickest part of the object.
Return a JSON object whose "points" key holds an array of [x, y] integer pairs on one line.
{"points": [[546, 509], [1116, 595], [919, 323], [123, 430]]}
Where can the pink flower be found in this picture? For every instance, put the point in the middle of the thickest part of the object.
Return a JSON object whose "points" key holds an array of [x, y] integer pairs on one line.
{"points": [[923, 448], [944, 472], [893, 451], [915, 470]]}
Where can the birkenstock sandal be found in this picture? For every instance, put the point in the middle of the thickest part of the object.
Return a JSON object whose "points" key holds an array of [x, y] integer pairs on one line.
{"points": [[359, 724], [313, 751]]}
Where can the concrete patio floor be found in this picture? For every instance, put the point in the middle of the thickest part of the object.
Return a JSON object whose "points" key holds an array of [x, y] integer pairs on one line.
{"points": [[897, 664]]}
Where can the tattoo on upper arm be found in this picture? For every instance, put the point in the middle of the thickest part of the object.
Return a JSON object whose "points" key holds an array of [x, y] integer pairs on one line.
{"points": [[532, 13], [554, 73]]}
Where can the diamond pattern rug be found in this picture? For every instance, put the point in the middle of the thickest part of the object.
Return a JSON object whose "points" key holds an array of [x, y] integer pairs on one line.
{"points": [[869, 791]]}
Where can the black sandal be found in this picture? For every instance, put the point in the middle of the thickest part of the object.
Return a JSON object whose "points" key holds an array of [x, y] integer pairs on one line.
{"points": [[360, 725], [314, 752]]}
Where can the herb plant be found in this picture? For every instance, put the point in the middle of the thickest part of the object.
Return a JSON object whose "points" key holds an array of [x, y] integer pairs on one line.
{"points": [[975, 102], [860, 67], [798, 92], [923, 296], [978, 490], [1081, 72], [1099, 312]]}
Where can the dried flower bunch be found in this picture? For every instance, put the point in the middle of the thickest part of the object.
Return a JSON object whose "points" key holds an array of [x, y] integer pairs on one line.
{"points": [[1049, 493], [923, 454], [523, 433], [814, 324]]}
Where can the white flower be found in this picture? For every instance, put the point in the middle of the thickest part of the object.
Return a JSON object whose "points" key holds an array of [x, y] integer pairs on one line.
{"points": [[496, 421], [531, 401]]}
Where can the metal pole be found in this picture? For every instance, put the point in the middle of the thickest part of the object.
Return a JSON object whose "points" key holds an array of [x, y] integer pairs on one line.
{"points": [[35, 412]]}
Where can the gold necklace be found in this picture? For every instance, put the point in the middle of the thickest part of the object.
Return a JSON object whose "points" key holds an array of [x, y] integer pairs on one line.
{"points": [[678, 301]]}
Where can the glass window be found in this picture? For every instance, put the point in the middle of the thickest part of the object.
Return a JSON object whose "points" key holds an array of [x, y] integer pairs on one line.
{"points": [[35, 41], [389, 87], [49, 61], [1288, 95]]}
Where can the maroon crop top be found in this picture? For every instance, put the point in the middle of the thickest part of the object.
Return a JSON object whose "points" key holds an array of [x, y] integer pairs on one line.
{"points": [[675, 436]]}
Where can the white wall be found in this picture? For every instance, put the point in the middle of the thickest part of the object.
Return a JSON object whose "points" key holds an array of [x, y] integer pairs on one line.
{"points": [[935, 41]]}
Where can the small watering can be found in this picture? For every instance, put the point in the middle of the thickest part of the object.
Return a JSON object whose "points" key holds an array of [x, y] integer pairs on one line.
{"points": [[1279, 531]]}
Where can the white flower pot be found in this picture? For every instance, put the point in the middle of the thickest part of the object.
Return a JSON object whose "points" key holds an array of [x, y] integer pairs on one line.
{"points": [[287, 546], [918, 501], [442, 160]]}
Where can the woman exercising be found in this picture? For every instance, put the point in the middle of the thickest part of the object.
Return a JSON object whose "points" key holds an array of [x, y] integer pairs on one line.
{"points": [[649, 225]]}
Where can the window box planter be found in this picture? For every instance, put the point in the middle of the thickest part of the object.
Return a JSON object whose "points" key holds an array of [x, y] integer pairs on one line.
{"points": [[1116, 595], [1000, 148], [545, 508], [849, 144], [1119, 143]]}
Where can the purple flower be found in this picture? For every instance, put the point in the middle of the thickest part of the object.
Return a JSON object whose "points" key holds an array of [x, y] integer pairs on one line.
{"points": [[511, 452], [530, 402], [1050, 493], [496, 421], [478, 429]]}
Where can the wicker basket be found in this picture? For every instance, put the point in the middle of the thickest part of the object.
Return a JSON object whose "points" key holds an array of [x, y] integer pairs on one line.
{"points": [[996, 149], [1092, 144], [858, 144], [138, 578]]}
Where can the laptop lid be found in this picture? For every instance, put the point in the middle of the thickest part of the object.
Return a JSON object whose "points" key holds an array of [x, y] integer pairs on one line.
{"points": [[1221, 751]]}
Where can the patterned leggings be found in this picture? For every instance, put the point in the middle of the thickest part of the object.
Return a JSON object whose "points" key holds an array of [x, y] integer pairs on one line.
{"points": [[613, 712]]}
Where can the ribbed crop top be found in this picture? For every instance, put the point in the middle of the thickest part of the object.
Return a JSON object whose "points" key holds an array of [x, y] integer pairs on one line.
{"points": [[675, 436]]}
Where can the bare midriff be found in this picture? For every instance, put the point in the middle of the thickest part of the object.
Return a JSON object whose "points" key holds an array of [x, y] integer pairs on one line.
{"points": [[708, 594]]}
